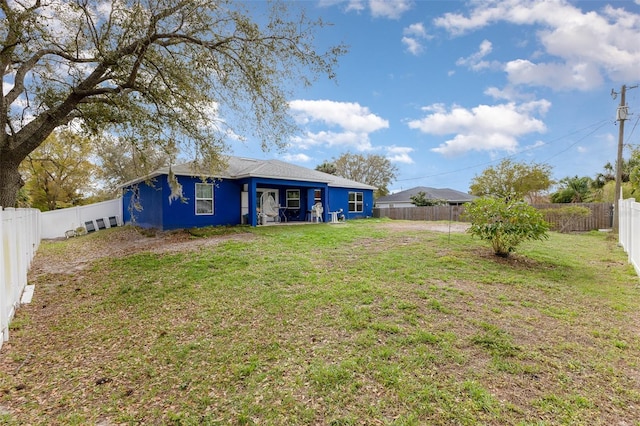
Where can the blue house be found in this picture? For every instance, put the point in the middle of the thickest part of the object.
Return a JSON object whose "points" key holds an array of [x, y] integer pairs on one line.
{"points": [[248, 191]]}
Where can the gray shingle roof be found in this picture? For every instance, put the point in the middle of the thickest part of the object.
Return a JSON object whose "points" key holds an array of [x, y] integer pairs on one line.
{"points": [[240, 167], [450, 195]]}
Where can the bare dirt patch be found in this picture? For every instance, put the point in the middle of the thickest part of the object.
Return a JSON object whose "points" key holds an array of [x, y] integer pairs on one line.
{"points": [[124, 242], [426, 226], [129, 240]]}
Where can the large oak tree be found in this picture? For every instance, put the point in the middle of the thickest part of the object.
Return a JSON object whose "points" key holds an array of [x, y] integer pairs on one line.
{"points": [[372, 169], [176, 72]]}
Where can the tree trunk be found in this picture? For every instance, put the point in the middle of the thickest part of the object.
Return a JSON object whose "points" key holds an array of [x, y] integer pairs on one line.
{"points": [[10, 180]]}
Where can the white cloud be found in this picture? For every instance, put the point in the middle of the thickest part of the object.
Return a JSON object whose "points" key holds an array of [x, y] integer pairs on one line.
{"points": [[344, 140], [346, 125], [413, 35], [389, 9], [400, 154], [413, 46], [506, 94], [357, 5], [558, 76], [475, 61], [415, 30], [348, 115], [482, 128], [587, 46], [297, 158]]}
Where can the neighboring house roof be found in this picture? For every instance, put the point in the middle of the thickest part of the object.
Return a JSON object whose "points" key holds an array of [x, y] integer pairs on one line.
{"points": [[449, 195], [239, 168]]}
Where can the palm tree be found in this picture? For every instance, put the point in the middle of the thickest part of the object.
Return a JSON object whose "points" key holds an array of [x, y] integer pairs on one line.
{"points": [[573, 190]]}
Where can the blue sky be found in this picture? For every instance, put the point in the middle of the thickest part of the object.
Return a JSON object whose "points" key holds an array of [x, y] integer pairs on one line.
{"points": [[445, 89]]}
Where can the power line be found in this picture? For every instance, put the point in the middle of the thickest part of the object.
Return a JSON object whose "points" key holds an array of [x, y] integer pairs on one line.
{"points": [[634, 127], [578, 141], [600, 124]]}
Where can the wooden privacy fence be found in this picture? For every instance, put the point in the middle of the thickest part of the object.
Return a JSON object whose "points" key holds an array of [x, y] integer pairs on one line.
{"points": [[420, 213], [19, 238], [600, 218], [629, 230]]}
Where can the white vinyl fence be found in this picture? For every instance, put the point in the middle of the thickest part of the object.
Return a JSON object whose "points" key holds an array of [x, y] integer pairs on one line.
{"points": [[629, 230], [56, 222], [20, 238]]}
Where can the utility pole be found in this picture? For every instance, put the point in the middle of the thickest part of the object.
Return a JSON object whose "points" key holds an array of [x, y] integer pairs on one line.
{"points": [[621, 116]]}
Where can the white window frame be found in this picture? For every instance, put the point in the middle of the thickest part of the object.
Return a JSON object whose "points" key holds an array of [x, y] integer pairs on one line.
{"points": [[199, 199], [289, 199], [358, 202]]}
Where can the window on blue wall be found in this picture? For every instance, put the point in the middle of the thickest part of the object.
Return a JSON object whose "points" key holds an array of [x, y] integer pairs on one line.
{"points": [[293, 198], [204, 198], [356, 202]]}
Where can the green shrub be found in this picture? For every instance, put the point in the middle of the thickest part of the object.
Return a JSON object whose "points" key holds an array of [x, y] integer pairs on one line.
{"points": [[505, 223]]}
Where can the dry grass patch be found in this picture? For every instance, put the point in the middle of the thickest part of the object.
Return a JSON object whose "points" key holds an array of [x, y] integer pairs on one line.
{"points": [[380, 322]]}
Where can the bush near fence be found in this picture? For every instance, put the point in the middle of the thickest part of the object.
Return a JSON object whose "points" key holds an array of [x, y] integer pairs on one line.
{"points": [[20, 238], [601, 215]]}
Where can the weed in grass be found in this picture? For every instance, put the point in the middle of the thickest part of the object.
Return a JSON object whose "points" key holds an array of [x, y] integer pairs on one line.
{"points": [[384, 353], [423, 294], [245, 369], [388, 374], [328, 377], [367, 339], [567, 410], [495, 340], [19, 322], [566, 314], [404, 305], [482, 399], [421, 337], [344, 421], [436, 305], [620, 344], [515, 367], [504, 300], [358, 318], [385, 327]]}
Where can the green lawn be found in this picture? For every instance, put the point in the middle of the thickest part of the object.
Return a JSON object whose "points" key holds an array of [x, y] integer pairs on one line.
{"points": [[361, 323]]}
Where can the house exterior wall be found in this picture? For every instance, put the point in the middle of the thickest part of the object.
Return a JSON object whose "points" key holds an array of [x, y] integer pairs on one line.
{"points": [[339, 199], [158, 213], [150, 197], [226, 205]]}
